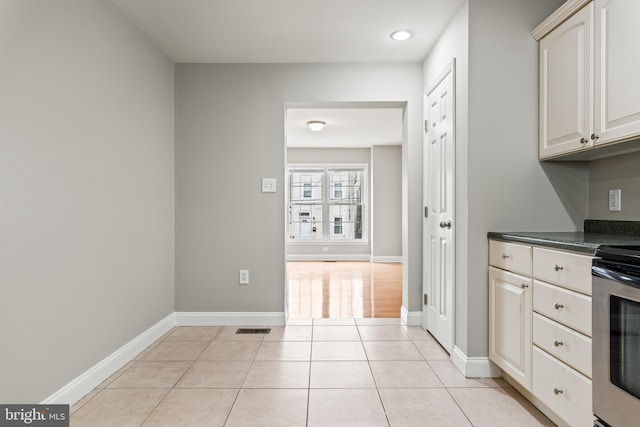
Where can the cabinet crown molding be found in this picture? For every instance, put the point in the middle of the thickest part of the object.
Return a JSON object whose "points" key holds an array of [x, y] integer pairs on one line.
{"points": [[563, 13]]}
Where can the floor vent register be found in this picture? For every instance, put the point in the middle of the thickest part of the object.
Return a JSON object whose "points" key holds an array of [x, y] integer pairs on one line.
{"points": [[253, 331]]}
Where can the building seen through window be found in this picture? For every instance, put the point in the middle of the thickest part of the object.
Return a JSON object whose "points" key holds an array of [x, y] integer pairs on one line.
{"points": [[326, 203]]}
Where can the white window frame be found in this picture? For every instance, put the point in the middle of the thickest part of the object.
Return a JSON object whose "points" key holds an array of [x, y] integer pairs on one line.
{"points": [[327, 191]]}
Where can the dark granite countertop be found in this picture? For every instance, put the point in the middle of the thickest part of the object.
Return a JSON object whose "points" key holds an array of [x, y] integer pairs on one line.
{"points": [[568, 240], [596, 232]]}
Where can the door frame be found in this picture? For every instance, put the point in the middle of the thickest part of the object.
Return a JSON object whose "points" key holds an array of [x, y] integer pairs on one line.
{"points": [[403, 106], [450, 68]]}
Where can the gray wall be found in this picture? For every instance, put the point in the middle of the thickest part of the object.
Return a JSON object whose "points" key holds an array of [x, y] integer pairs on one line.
{"points": [[86, 190], [386, 201], [620, 172], [332, 155], [499, 182], [521, 193], [230, 134]]}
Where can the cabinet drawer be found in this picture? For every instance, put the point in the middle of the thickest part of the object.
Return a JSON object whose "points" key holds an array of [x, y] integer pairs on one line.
{"points": [[569, 346], [567, 307], [565, 391], [510, 256], [565, 269]]}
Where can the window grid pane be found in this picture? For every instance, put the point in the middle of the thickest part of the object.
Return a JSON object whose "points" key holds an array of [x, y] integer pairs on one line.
{"points": [[346, 185], [305, 222], [345, 222], [306, 186]]}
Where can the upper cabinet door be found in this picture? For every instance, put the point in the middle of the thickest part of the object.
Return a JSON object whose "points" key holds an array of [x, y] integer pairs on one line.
{"points": [[617, 70], [566, 56]]}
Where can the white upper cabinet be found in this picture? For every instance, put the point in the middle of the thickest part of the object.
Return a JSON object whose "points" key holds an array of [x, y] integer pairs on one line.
{"points": [[617, 71], [566, 86], [589, 84]]}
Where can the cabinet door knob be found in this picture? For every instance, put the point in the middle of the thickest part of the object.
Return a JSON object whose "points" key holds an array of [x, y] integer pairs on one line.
{"points": [[558, 267], [557, 306], [557, 343], [557, 390], [583, 140], [594, 136], [524, 286], [505, 256], [445, 224]]}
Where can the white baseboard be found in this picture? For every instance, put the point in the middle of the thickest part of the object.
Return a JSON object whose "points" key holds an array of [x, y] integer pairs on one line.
{"points": [[229, 319], [410, 318], [329, 257], [94, 376], [386, 258], [475, 367]]}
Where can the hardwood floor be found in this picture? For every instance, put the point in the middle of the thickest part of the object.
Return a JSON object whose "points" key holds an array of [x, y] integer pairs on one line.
{"points": [[344, 289]]}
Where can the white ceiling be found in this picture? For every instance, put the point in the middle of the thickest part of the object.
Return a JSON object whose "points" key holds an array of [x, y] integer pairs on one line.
{"points": [[291, 31], [300, 31], [346, 127]]}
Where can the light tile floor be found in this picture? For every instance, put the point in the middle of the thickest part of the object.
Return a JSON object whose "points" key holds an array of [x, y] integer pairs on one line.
{"points": [[325, 373]]}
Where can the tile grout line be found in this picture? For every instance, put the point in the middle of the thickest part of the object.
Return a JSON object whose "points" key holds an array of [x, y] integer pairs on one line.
{"points": [[244, 379], [181, 376], [309, 379], [375, 382]]}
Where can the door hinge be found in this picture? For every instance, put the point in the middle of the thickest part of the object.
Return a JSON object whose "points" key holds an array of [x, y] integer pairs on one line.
{"points": [[426, 299], [426, 126], [426, 212]]}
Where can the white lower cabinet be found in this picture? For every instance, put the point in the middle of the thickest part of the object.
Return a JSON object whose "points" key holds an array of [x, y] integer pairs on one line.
{"points": [[562, 305], [565, 391], [510, 324], [563, 343], [540, 328]]}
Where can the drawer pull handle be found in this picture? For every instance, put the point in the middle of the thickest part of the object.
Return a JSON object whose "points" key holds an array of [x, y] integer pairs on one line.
{"points": [[557, 391], [524, 286], [505, 256], [557, 343], [558, 267], [557, 306]]}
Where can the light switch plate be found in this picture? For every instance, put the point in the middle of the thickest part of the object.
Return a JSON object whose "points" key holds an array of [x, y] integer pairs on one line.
{"points": [[615, 200], [268, 185], [244, 277]]}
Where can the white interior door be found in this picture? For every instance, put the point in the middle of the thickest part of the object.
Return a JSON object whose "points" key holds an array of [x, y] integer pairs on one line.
{"points": [[439, 221]]}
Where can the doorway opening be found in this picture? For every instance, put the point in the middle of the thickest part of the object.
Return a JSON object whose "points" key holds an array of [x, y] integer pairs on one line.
{"points": [[344, 210]]}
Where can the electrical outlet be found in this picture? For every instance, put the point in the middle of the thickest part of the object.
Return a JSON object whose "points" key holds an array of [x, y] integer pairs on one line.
{"points": [[244, 277], [268, 185], [615, 200]]}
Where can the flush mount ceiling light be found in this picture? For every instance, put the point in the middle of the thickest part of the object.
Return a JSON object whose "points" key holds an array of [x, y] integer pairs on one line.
{"points": [[316, 125], [401, 35]]}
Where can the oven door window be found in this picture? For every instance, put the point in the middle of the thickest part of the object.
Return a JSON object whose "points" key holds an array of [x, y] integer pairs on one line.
{"points": [[625, 344]]}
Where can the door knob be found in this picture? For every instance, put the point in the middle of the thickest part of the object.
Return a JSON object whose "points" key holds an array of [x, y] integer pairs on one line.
{"points": [[445, 224]]}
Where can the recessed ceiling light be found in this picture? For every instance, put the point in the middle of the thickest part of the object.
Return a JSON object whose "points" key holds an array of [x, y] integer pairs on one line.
{"points": [[401, 35], [316, 125]]}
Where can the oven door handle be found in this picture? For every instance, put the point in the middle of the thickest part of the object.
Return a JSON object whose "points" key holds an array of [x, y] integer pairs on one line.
{"points": [[622, 273]]}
